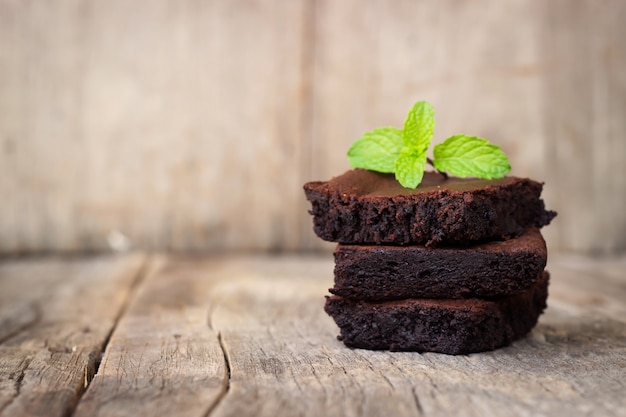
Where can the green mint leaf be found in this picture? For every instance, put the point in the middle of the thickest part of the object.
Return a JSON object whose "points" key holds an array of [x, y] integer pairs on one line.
{"points": [[470, 156], [410, 166], [419, 126], [377, 150], [403, 151]]}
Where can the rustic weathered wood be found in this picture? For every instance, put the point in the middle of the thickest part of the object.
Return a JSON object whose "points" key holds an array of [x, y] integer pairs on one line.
{"points": [[595, 286], [585, 103], [246, 335], [283, 355], [284, 359], [70, 307], [173, 121], [166, 122], [163, 358]]}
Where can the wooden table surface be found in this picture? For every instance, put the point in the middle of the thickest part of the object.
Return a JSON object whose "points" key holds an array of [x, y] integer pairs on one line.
{"points": [[140, 335]]}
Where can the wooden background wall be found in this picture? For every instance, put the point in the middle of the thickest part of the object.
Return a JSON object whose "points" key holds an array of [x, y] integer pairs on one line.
{"points": [[191, 125]]}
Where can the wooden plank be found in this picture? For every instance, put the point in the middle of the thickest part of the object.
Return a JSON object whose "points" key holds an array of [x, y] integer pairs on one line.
{"points": [[281, 347], [243, 101], [247, 336], [174, 119], [585, 102], [598, 286], [48, 359], [163, 358], [15, 316], [284, 358]]}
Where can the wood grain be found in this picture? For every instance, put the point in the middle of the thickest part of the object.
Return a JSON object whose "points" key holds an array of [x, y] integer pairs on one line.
{"points": [[192, 125], [71, 307], [247, 335], [165, 122], [163, 358], [285, 360], [585, 98]]}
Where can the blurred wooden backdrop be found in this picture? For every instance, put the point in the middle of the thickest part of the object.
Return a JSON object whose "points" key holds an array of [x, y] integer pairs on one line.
{"points": [[191, 125]]}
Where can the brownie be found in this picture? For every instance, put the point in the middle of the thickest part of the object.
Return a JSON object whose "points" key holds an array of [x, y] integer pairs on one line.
{"points": [[445, 326], [485, 270], [366, 207]]}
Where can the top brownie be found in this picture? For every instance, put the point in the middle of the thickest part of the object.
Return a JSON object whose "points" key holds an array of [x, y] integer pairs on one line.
{"points": [[366, 207]]}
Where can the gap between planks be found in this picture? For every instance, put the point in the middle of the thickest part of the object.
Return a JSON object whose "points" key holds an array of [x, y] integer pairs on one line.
{"points": [[47, 361], [163, 357], [144, 269]]}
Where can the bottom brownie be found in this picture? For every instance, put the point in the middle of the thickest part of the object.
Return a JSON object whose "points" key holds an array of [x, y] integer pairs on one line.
{"points": [[445, 326]]}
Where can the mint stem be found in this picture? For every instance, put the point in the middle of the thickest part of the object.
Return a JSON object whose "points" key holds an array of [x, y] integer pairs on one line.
{"points": [[430, 161]]}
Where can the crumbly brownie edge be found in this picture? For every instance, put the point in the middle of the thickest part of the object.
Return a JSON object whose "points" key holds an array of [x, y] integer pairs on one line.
{"points": [[496, 269], [432, 218], [444, 326]]}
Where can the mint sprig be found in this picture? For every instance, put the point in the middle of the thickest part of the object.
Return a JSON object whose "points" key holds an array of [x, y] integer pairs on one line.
{"points": [[419, 126], [377, 150], [470, 156], [404, 151], [410, 166]]}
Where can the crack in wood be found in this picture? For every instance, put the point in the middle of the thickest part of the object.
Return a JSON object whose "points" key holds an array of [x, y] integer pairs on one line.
{"points": [[20, 377], [227, 376], [18, 382], [95, 357], [416, 400], [376, 371]]}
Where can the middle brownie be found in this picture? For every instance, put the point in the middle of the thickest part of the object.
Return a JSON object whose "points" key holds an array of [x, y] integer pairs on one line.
{"points": [[487, 270]]}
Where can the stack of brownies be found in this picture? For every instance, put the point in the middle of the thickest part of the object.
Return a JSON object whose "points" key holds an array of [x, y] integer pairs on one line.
{"points": [[455, 266]]}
